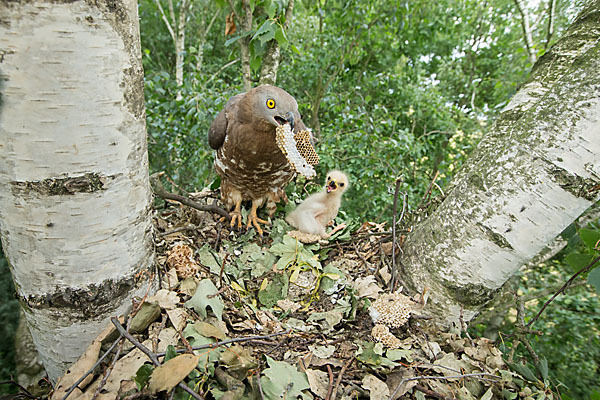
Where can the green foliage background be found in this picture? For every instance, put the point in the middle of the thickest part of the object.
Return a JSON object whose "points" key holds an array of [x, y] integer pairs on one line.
{"points": [[392, 88], [401, 88]]}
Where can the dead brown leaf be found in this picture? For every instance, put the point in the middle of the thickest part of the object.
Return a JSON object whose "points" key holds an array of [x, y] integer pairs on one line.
{"points": [[168, 375]]}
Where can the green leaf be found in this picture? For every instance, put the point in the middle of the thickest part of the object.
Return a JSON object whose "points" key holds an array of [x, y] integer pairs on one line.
{"points": [[295, 49], [367, 354], [281, 37], [594, 278], [201, 299], [578, 261], [590, 237], [399, 354], [276, 290], [508, 395], [524, 371], [208, 259], [208, 357], [237, 37], [170, 353], [142, 376], [542, 367], [255, 64], [282, 380], [331, 278], [265, 32]]}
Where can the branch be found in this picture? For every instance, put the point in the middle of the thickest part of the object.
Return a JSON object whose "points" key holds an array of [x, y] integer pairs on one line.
{"points": [[526, 30], [234, 11], [235, 340], [394, 214], [166, 20], [562, 289], [89, 371], [152, 356], [160, 191], [551, 12], [213, 76]]}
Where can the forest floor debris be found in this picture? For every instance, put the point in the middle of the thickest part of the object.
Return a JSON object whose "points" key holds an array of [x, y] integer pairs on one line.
{"points": [[238, 316]]}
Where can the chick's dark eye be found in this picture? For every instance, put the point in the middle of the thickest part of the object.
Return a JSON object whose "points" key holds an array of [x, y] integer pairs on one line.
{"points": [[270, 103], [328, 178], [341, 184]]}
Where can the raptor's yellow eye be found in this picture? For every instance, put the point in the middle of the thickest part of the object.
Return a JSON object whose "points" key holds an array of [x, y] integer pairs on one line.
{"points": [[270, 103]]}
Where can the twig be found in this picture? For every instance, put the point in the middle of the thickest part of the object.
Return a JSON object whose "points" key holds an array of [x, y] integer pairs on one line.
{"points": [[221, 273], [180, 229], [339, 378], [428, 193], [109, 369], [330, 389], [152, 356], [89, 371], [362, 258], [393, 280], [463, 326], [562, 289], [262, 396], [213, 76], [404, 195], [481, 376], [23, 390], [172, 182], [159, 190], [235, 340]]}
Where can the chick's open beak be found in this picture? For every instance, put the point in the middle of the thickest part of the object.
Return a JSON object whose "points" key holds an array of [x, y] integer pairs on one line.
{"points": [[331, 186]]}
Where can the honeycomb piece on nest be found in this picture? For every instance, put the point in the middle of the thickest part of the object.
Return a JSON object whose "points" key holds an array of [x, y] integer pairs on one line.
{"points": [[306, 238], [382, 334], [284, 138], [391, 309], [181, 257]]}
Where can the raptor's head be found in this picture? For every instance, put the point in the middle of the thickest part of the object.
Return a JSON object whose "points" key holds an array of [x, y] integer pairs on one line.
{"points": [[268, 105]]}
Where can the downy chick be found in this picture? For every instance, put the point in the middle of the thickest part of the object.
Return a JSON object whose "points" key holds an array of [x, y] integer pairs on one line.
{"points": [[319, 209]]}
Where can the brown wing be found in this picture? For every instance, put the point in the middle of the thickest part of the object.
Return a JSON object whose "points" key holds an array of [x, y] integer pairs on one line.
{"points": [[218, 128]]}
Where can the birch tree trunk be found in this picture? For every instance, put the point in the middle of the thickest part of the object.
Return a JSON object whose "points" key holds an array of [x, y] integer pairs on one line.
{"points": [[271, 60], [74, 194], [530, 177]]}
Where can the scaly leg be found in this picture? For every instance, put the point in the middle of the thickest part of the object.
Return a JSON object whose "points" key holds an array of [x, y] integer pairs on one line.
{"points": [[236, 214], [253, 219]]}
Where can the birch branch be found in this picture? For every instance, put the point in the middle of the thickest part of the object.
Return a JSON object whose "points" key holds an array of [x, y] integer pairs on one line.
{"points": [[166, 20]]}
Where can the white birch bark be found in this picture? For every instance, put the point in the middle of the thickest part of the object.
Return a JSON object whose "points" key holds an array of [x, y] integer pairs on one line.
{"points": [[74, 191], [530, 177], [271, 60]]}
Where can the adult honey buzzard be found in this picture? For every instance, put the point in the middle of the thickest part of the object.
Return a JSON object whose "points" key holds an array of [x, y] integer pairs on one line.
{"points": [[248, 160]]}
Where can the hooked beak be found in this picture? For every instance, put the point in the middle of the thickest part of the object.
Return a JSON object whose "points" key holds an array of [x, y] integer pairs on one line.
{"points": [[287, 118], [290, 118], [331, 186]]}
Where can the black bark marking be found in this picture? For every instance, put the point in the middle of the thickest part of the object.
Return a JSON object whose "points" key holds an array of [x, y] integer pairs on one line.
{"points": [[87, 183], [88, 302], [578, 186]]}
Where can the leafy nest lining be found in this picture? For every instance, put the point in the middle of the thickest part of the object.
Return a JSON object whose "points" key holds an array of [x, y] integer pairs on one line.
{"points": [[240, 318]]}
